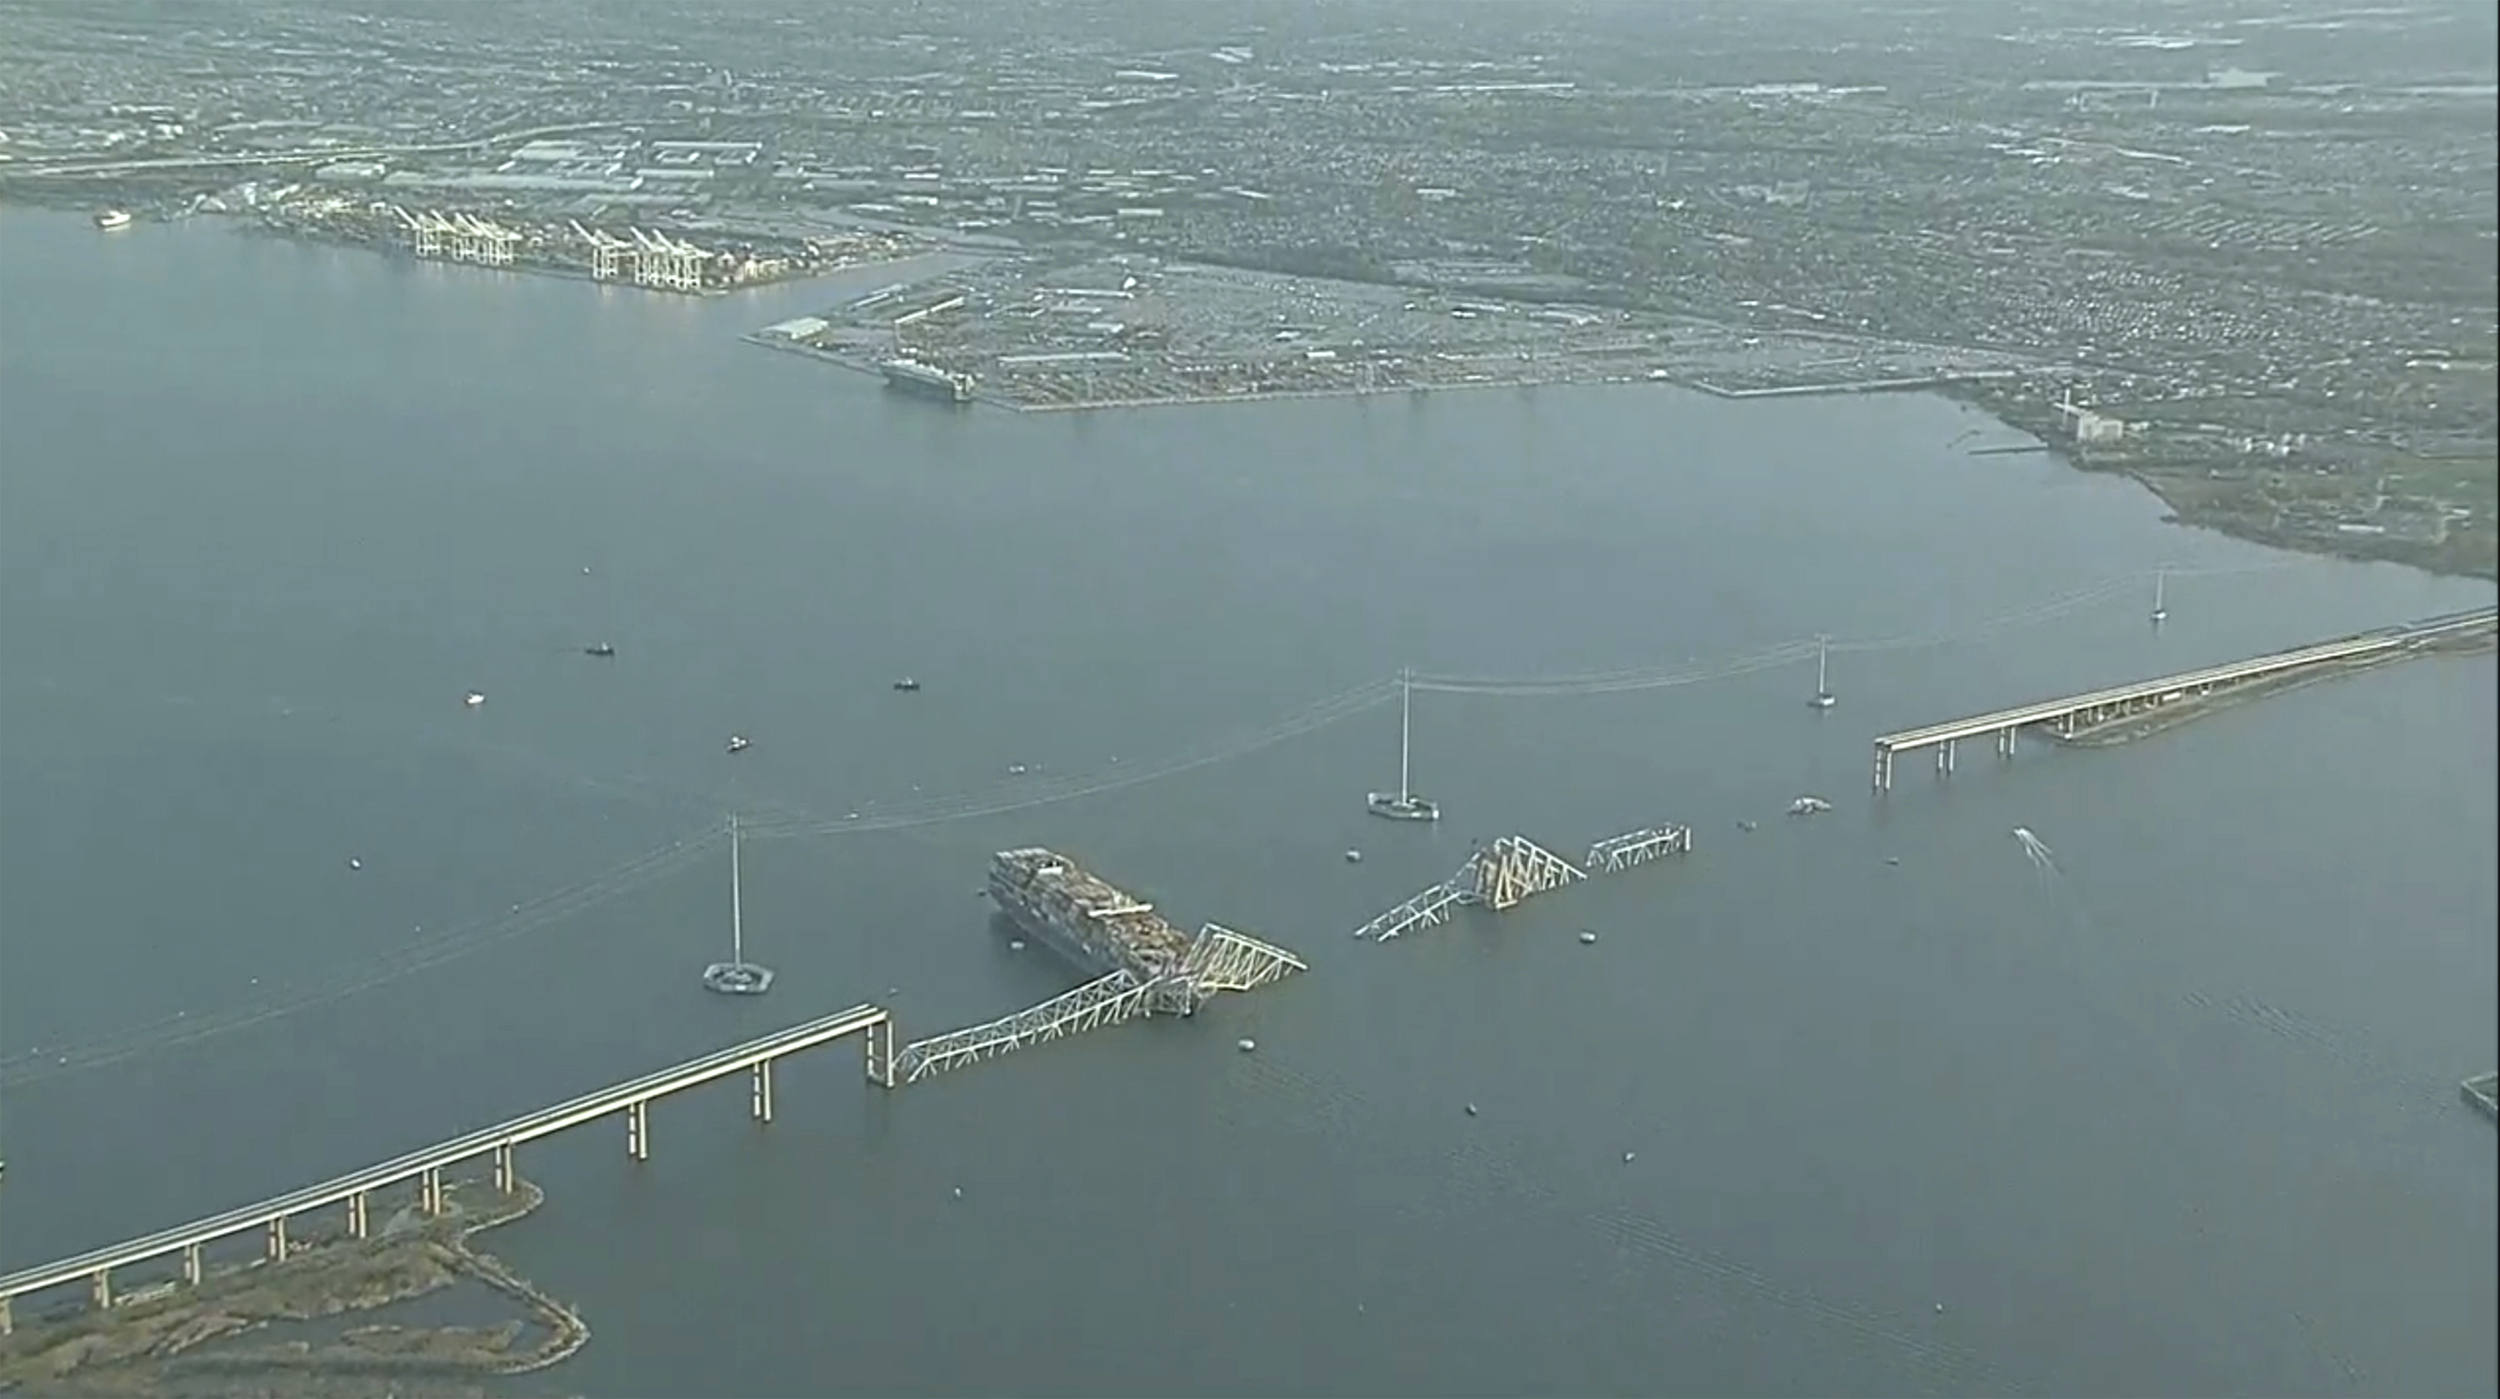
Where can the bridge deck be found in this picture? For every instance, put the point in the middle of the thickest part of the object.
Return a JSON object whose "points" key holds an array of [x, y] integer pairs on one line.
{"points": [[2347, 648], [544, 1122]]}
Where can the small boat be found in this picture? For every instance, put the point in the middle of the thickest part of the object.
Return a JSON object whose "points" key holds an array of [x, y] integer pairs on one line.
{"points": [[737, 744], [113, 220], [476, 698], [600, 649], [1808, 806], [1403, 804], [907, 685]]}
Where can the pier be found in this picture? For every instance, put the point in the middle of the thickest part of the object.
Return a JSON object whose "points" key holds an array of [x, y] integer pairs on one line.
{"points": [[1514, 869], [2075, 713], [426, 1169]]}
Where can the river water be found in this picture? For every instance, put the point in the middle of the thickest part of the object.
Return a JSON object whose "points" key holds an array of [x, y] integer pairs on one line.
{"points": [[2178, 1115]]}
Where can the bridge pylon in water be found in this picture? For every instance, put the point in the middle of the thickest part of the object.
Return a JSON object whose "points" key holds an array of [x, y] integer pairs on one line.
{"points": [[1511, 870]]}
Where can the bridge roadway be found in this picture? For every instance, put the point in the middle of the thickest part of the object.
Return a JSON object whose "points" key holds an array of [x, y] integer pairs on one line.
{"points": [[2148, 694], [630, 1099]]}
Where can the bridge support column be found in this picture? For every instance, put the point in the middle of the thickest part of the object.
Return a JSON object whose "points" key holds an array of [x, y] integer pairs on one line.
{"points": [[638, 1130], [1944, 758], [359, 1216], [8, 1319], [100, 1288], [192, 1268], [1883, 769], [2005, 742], [505, 1176], [880, 1052], [760, 1092], [276, 1250], [430, 1192]]}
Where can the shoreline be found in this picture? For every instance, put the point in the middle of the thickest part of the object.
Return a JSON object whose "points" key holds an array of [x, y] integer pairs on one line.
{"points": [[2173, 479], [2184, 479], [151, 1342]]}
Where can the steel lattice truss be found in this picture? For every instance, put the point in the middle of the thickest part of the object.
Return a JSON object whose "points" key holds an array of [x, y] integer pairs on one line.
{"points": [[1622, 852], [1513, 869], [1223, 960], [1429, 909], [1106, 1001]]}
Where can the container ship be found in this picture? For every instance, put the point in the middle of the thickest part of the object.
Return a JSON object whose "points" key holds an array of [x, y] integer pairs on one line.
{"points": [[911, 376], [1099, 927]]}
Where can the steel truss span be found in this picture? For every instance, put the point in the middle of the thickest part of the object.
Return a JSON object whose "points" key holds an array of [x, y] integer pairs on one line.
{"points": [[1218, 960], [1514, 869], [1511, 871], [1109, 1000]]}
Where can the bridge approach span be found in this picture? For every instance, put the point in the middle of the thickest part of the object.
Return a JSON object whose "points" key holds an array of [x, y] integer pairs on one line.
{"points": [[2118, 701], [628, 1099]]}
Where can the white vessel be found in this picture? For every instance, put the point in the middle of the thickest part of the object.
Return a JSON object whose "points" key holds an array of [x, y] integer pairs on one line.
{"points": [[113, 220], [1808, 806], [1403, 804], [737, 976], [1823, 696], [913, 376]]}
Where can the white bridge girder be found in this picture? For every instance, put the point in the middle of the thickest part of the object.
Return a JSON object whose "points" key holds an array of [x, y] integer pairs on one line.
{"points": [[1429, 909], [1219, 959], [1511, 870], [1514, 869], [1617, 853], [1224, 960], [1106, 1001]]}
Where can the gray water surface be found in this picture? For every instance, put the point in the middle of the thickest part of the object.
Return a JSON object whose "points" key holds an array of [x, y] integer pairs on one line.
{"points": [[2179, 1116]]}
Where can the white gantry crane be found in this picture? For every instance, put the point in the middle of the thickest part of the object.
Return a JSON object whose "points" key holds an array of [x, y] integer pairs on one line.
{"points": [[662, 261], [611, 258]]}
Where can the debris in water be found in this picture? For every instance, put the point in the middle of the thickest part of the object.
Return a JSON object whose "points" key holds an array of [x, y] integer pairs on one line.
{"points": [[1471, 1109], [1587, 936], [1015, 944], [354, 863], [1246, 1045], [1354, 857]]}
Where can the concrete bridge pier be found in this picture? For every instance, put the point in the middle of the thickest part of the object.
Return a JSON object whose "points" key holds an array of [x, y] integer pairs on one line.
{"points": [[192, 1268], [2007, 737], [359, 1216], [275, 1252], [1944, 758], [760, 1092], [8, 1318], [100, 1288], [506, 1176], [638, 1129], [1883, 769], [879, 1047], [430, 1192]]}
